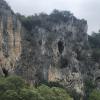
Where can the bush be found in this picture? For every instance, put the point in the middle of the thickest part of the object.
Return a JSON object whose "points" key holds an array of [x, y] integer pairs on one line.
{"points": [[89, 86], [15, 82], [10, 95], [95, 95], [28, 94], [14, 88], [53, 93], [44, 20]]}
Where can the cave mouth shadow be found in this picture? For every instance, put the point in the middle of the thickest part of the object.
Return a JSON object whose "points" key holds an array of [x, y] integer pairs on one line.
{"points": [[60, 46], [5, 72]]}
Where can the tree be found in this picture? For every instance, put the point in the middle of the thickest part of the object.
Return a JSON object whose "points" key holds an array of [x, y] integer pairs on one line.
{"points": [[53, 93], [94, 41], [28, 94], [61, 94], [95, 95], [15, 82], [46, 92], [10, 95], [89, 86], [14, 88]]}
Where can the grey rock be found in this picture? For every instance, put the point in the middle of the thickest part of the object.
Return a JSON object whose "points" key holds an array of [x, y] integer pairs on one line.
{"points": [[60, 54]]}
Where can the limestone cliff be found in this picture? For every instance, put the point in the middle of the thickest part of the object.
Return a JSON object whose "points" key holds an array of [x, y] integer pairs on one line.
{"points": [[56, 50], [10, 39]]}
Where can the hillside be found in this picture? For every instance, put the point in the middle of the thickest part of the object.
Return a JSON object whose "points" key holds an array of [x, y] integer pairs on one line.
{"points": [[47, 48]]}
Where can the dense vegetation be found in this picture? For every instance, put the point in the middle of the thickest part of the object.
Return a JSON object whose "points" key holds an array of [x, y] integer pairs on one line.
{"points": [[14, 88], [94, 41], [95, 95], [45, 20]]}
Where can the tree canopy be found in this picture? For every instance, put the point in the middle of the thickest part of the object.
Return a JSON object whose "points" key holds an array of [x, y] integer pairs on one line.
{"points": [[15, 88]]}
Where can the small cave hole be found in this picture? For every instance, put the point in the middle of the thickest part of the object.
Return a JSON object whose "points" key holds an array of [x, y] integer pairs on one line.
{"points": [[40, 42], [60, 46], [5, 72], [64, 63], [6, 55], [98, 79]]}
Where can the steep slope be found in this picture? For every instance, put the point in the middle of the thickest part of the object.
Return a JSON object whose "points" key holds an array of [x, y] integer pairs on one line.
{"points": [[55, 49], [49, 48], [10, 39]]}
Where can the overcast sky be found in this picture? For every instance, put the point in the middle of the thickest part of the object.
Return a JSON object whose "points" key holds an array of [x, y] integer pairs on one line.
{"points": [[87, 9]]}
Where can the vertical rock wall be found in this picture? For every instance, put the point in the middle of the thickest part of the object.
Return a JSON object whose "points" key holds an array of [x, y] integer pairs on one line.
{"points": [[10, 38], [59, 54]]}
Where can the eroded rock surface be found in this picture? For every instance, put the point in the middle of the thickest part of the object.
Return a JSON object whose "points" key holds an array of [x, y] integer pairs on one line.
{"points": [[58, 52], [10, 38]]}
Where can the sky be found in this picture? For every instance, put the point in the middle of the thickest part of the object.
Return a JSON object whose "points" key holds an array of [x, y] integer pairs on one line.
{"points": [[87, 9]]}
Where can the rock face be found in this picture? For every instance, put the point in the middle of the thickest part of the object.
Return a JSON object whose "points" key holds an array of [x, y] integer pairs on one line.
{"points": [[57, 53], [10, 39]]}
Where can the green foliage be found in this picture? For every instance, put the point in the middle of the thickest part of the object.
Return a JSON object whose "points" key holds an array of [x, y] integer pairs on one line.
{"points": [[29, 22], [53, 93], [16, 82], [96, 54], [75, 95], [10, 95], [58, 16], [60, 94], [28, 94], [95, 95], [14, 88], [94, 41], [89, 86], [46, 92], [44, 20], [52, 84], [11, 83]]}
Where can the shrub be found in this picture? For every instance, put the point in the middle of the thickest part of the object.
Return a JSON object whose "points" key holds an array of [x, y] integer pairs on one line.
{"points": [[95, 95], [28, 94], [14, 88], [53, 93], [15, 82], [10, 95]]}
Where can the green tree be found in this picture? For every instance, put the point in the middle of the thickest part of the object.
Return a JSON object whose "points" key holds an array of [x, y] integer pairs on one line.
{"points": [[10, 95], [15, 82], [3, 86], [95, 95], [89, 86], [53, 93], [46, 92], [28, 94], [60, 94], [14, 88]]}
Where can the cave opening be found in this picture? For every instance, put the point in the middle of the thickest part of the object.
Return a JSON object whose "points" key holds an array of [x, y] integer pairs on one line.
{"points": [[64, 62], [5, 72], [97, 79], [60, 46], [40, 42]]}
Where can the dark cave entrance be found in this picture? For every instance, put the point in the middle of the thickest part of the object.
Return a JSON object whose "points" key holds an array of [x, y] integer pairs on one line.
{"points": [[97, 79], [64, 62], [5, 72], [60, 46]]}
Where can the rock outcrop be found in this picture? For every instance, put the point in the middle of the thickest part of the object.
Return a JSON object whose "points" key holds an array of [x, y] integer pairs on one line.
{"points": [[57, 52], [10, 38], [54, 51]]}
